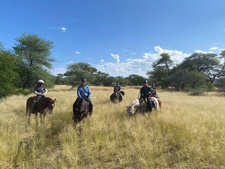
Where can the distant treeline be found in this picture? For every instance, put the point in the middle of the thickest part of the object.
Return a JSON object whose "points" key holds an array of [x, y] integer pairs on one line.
{"points": [[30, 59]]}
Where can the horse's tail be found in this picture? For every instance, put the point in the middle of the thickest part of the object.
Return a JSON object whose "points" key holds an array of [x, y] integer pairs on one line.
{"points": [[122, 93], [27, 106], [160, 103]]}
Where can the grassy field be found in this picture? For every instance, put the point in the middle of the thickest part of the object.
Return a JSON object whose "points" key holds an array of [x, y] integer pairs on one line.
{"points": [[189, 132]]}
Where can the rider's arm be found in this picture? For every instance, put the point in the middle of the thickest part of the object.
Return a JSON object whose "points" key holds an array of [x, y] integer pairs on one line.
{"points": [[141, 92], [119, 88], [46, 91], [37, 93], [89, 93], [78, 92]]}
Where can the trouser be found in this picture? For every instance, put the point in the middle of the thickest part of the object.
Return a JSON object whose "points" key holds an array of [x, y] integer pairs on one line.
{"points": [[149, 104]]}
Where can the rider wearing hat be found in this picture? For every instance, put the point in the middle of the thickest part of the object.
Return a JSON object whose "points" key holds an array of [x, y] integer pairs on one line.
{"points": [[41, 91], [83, 91], [145, 94]]}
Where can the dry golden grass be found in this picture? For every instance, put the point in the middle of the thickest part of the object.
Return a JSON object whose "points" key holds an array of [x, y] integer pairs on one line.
{"points": [[189, 132]]}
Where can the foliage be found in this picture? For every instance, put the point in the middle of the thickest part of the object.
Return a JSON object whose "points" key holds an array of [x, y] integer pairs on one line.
{"points": [[209, 64], [198, 92], [220, 83], [8, 71], [161, 71], [135, 80], [34, 53]]}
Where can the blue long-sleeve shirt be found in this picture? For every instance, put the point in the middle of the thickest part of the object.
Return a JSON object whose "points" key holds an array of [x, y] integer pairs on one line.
{"points": [[119, 88], [83, 91]]}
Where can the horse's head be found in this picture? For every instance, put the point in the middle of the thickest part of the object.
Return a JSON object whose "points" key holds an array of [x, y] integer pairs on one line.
{"points": [[130, 110], [51, 105], [133, 105]]}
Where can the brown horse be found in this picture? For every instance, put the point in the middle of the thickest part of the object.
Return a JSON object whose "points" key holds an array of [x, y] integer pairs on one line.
{"points": [[115, 97], [41, 106], [82, 112]]}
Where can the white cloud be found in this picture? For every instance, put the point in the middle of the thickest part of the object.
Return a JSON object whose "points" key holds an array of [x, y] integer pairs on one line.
{"points": [[125, 50], [132, 53], [63, 29], [77, 52], [138, 65], [116, 56], [102, 60], [214, 48], [200, 51], [56, 71]]}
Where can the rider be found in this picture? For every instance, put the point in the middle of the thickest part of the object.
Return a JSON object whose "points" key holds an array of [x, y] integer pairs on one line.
{"points": [[83, 91], [154, 93], [145, 94], [117, 89], [41, 91]]}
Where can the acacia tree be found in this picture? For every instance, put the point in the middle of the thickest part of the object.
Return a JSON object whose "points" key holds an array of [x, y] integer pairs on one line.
{"points": [[161, 70], [78, 71], [210, 64], [35, 53]]}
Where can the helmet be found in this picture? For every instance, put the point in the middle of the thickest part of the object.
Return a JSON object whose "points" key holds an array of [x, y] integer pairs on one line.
{"points": [[145, 81], [83, 80], [41, 81]]}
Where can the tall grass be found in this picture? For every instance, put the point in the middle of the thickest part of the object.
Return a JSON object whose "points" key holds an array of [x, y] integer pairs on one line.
{"points": [[189, 132]]}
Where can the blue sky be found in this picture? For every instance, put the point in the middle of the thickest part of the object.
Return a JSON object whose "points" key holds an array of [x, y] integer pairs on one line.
{"points": [[119, 37]]}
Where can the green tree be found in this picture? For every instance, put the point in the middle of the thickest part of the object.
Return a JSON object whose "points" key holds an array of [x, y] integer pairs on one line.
{"points": [[80, 70], [135, 80], [9, 73], [161, 71], [207, 63], [35, 53]]}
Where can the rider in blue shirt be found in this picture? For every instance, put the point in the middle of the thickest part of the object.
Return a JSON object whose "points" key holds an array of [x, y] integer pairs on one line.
{"points": [[83, 91], [145, 94], [117, 88]]}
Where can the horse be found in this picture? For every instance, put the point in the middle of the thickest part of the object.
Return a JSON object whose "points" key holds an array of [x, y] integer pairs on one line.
{"points": [[115, 96], [82, 112], [138, 106], [41, 106]]}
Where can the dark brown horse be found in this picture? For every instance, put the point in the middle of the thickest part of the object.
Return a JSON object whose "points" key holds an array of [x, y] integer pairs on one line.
{"points": [[115, 97], [41, 106], [82, 112]]}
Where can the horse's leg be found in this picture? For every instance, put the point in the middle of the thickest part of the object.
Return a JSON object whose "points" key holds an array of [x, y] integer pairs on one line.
{"points": [[36, 114], [41, 120], [75, 121], [44, 114], [29, 117]]}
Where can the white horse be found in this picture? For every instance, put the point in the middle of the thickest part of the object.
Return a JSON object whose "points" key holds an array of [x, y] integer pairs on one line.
{"points": [[138, 106]]}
